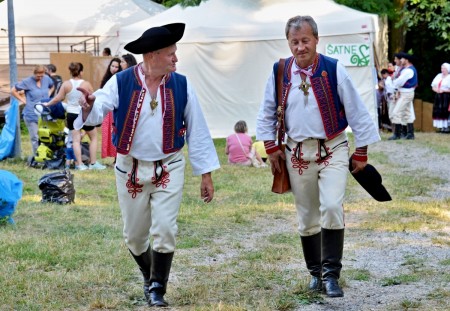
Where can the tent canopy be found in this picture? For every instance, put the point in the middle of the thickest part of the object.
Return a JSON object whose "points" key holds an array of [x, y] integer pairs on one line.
{"points": [[229, 48], [250, 20], [77, 18]]}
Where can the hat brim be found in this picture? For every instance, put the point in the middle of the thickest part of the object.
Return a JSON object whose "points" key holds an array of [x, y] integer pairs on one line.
{"points": [[156, 38], [371, 181]]}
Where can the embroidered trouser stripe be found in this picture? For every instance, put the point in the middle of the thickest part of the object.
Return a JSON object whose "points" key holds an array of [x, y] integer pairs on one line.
{"points": [[153, 210], [320, 189]]}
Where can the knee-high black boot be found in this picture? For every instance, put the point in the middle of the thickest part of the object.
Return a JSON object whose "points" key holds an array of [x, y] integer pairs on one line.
{"points": [[397, 132], [410, 133], [159, 277], [312, 251], [332, 248], [404, 131], [144, 262]]}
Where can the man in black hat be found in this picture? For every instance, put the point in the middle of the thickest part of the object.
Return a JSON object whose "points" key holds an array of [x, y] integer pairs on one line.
{"points": [[155, 110], [405, 83]]}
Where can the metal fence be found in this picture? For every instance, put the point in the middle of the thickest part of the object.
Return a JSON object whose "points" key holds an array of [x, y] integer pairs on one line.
{"points": [[37, 49]]}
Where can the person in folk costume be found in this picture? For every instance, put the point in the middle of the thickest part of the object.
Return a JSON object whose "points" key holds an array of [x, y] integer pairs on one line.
{"points": [[389, 90], [319, 102], [395, 74], [441, 86], [405, 82], [155, 111]]}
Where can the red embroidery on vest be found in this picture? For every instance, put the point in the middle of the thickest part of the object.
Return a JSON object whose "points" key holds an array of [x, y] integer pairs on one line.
{"points": [[169, 121], [131, 118], [324, 96]]}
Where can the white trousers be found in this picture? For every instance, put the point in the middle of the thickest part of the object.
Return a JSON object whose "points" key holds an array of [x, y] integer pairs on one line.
{"points": [[318, 175], [149, 197], [403, 112]]}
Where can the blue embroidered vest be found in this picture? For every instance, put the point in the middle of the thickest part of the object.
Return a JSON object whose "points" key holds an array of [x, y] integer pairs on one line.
{"points": [[411, 83], [131, 99], [324, 85]]}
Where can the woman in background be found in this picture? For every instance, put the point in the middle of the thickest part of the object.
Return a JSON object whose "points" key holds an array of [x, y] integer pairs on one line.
{"points": [[441, 85], [36, 87], [70, 93], [128, 61], [239, 148], [108, 149]]}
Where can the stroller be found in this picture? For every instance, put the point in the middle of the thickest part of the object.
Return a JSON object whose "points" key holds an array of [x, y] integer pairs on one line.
{"points": [[51, 151]]}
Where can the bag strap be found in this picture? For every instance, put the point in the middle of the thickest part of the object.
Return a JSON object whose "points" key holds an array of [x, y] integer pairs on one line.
{"points": [[280, 109], [242, 147]]}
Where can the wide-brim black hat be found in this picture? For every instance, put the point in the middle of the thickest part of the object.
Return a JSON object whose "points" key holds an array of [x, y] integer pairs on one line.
{"points": [[156, 38], [404, 55], [371, 181]]}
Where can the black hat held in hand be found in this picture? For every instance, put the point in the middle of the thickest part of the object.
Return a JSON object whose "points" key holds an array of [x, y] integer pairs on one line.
{"points": [[371, 181], [156, 38]]}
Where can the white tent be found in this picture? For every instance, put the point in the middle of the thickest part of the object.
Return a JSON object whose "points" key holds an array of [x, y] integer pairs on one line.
{"points": [[101, 18], [229, 48]]}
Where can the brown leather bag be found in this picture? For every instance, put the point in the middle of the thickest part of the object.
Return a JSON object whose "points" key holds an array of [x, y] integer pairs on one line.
{"points": [[281, 183]]}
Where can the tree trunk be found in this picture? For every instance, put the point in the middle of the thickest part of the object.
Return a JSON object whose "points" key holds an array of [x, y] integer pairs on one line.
{"points": [[397, 34]]}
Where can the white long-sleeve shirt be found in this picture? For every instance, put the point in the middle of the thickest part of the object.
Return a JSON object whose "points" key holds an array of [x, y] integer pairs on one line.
{"points": [[148, 141], [406, 74], [302, 117]]}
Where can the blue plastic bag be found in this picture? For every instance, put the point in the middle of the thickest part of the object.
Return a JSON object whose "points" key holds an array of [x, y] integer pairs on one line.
{"points": [[8, 134], [10, 194]]}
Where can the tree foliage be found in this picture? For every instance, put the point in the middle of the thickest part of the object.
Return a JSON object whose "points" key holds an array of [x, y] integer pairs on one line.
{"points": [[433, 15], [183, 3], [381, 7]]}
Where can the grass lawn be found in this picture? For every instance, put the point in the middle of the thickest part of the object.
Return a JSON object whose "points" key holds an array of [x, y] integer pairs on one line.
{"points": [[240, 252]]}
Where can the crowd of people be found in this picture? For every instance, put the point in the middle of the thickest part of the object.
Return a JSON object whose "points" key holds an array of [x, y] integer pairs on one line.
{"points": [[47, 88], [396, 96]]}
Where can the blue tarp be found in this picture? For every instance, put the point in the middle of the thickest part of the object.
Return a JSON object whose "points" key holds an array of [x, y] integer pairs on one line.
{"points": [[10, 194], [8, 134]]}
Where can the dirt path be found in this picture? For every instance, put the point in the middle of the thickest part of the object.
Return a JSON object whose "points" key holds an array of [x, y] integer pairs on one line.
{"points": [[390, 255]]}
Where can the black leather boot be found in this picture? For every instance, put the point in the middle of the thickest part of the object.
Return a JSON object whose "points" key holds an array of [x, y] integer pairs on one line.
{"points": [[159, 277], [312, 251], [397, 132], [410, 134], [404, 131], [332, 247], [144, 262]]}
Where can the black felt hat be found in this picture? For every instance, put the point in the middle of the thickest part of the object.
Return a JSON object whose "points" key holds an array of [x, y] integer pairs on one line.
{"points": [[156, 38], [404, 55], [371, 181]]}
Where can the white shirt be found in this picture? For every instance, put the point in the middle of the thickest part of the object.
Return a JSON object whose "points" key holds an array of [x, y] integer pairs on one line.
{"points": [[147, 141], [445, 84], [406, 74], [303, 119], [73, 106], [389, 85]]}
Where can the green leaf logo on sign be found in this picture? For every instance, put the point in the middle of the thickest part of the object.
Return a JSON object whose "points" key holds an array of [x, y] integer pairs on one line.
{"points": [[362, 58], [350, 54]]}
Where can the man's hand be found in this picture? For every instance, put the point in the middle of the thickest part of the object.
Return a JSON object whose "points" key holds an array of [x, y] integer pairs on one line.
{"points": [[207, 188], [358, 166], [274, 162], [86, 102]]}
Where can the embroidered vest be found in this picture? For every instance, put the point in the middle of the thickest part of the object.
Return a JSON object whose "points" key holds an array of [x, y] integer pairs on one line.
{"points": [[324, 86], [131, 99], [413, 82]]}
